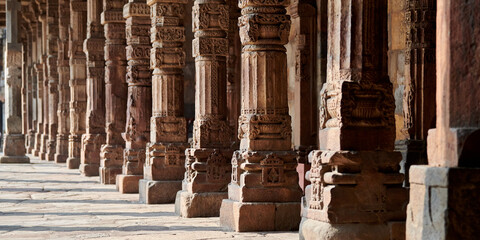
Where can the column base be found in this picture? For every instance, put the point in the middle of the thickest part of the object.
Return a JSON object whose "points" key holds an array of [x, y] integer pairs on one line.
{"points": [[259, 216], [108, 175], [51, 150], [191, 205], [90, 170], [60, 158], [443, 203], [128, 183], [73, 163], [316, 230], [158, 192], [14, 159]]}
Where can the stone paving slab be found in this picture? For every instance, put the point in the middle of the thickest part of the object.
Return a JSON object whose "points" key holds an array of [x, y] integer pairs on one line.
{"points": [[43, 200]]}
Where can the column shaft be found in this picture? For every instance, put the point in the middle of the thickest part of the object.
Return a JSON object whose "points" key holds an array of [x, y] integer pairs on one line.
{"points": [[78, 75], [139, 98], [39, 76], [115, 90], [264, 183]]}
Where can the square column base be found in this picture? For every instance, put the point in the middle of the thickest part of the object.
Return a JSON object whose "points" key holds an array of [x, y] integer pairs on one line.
{"points": [[443, 203], [206, 204], [90, 170], [128, 183], [60, 158], [158, 192], [259, 216], [14, 159], [73, 163], [316, 230], [108, 175]]}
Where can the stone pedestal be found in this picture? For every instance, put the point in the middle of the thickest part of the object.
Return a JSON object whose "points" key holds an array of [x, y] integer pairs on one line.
{"points": [[78, 75], [111, 154], [139, 103], [14, 149]]}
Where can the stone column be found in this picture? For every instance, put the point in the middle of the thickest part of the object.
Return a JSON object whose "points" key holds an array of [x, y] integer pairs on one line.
{"points": [[14, 140], [264, 185], [208, 167], [40, 101], [43, 151], [444, 194], [30, 130], [33, 84], [234, 68], [78, 75], [93, 47], [139, 99], [63, 112], [164, 167], [356, 189], [52, 74], [115, 90]]}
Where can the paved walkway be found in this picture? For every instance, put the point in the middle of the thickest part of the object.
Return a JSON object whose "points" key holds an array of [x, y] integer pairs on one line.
{"points": [[44, 200]]}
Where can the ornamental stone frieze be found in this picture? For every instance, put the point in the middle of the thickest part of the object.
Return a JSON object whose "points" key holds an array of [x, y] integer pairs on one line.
{"points": [[264, 183], [139, 95], [77, 83], [115, 90], [208, 160]]}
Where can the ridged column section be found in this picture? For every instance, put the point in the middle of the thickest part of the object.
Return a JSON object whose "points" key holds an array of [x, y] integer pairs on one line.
{"points": [[264, 185], [168, 136], [63, 111], [44, 70], [139, 98], [111, 156], [52, 75], [93, 46], [78, 76], [208, 167]]}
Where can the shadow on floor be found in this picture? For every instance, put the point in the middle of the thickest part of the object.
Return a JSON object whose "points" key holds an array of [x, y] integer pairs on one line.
{"points": [[126, 228], [45, 181], [47, 189], [86, 201], [125, 214]]}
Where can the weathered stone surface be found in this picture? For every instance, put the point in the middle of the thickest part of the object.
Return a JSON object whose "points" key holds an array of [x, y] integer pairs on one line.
{"points": [[203, 204], [155, 192]]}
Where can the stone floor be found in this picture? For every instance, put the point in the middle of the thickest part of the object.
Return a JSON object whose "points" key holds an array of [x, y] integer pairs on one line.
{"points": [[43, 200]]}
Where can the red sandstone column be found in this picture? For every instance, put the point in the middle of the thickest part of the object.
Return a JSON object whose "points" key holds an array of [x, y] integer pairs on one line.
{"points": [[164, 166], [444, 195], [63, 83], [356, 189], [208, 167], [44, 70], [115, 90], [93, 47], [139, 99], [264, 186], [234, 68], [52, 74], [78, 75], [39, 87], [14, 140]]}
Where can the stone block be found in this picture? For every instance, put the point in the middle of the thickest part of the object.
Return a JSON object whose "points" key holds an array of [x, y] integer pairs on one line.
{"points": [[89, 170], [128, 183], [199, 204], [157, 192], [14, 159], [109, 175], [73, 163], [316, 230], [60, 158], [259, 216]]}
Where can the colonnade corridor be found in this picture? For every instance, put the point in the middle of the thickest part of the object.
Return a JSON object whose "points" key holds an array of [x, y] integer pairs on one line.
{"points": [[44, 200]]}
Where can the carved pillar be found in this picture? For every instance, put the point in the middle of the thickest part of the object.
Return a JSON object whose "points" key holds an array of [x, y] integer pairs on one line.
{"points": [[356, 186], [264, 184], [208, 168], [115, 90], [63, 112], [234, 68], [41, 99], [27, 63], [52, 74], [78, 75], [165, 157], [94, 137], [419, 95], [14, 140], [139, 100], [33, 84], [444, 193], [46, 124]]}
